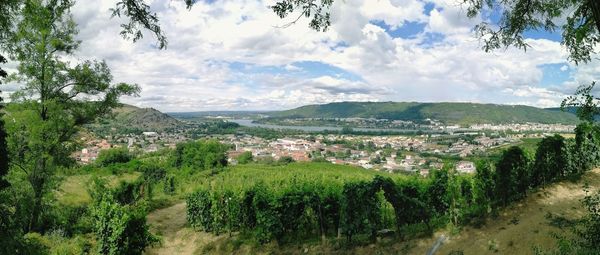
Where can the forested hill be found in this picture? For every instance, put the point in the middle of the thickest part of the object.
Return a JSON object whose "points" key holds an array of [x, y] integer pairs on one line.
{"points": [[449, 113], [129, 118]]}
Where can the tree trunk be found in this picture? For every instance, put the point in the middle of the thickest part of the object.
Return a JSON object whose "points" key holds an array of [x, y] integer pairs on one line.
{"points": [[37, 181], [35, 211]]}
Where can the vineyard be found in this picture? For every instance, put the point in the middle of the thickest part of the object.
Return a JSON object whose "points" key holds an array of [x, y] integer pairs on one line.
{"points": [[312, 200], [292, 202]]}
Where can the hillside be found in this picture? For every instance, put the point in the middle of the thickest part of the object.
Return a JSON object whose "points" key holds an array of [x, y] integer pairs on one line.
{"points": [[449, 113], [128, 117]]}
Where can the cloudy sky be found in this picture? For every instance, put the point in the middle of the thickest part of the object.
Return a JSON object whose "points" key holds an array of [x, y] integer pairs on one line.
{"points": [[233, 55]]}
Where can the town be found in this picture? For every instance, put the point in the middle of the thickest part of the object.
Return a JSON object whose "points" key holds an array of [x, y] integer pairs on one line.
{"points": [[389, 153]]}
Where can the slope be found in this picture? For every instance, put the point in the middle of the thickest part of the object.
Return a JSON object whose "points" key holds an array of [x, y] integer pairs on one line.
{"points": [[449, 113], [128, 118]]}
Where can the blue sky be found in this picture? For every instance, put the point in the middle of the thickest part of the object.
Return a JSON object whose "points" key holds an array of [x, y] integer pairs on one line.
{"points": [[233, 55]]}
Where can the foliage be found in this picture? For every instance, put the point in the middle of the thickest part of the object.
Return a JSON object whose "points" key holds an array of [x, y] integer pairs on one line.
{"points": [[586, 151], [245, 157], [284, 160], [113, 156], [169, 185], [512, 175], [589, 236], [580, 31], [120, 229], [203, 155], [438, 190], [317, 11], [360, 209], [10, 231], [54, 97], [127, 193], [153, 173], [584, 102], [551, 160], [3, 149], [485, 188]]}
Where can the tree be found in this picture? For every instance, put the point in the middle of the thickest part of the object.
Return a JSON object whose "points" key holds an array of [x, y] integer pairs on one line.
{"points": [[512, 175], [3, 149], [56, 96], [203, 155], [6, 18]]}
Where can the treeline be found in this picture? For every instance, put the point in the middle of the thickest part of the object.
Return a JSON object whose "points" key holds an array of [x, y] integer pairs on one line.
{"points": [[409, 206]]}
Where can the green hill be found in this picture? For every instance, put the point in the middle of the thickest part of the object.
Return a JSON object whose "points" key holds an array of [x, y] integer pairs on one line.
{"points": [[449, 113], [128, 118]]}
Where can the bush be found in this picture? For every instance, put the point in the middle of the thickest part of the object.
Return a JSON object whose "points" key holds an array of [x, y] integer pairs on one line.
{"points": [[113, 156], [169, 185], [129, 192], [245, 158], [285, 160], [120, 229], [152, 173], [199, 210]]}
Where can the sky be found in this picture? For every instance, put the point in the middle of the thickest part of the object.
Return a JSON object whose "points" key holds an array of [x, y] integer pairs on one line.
{"points": [[235, 55]]}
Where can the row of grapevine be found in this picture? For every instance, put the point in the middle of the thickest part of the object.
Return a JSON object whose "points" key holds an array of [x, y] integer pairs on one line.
{"points": [[309, 209]]}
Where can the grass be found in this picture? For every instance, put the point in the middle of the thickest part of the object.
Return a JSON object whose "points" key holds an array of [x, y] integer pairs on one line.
{"points": [[74, 189], [277, 177]]}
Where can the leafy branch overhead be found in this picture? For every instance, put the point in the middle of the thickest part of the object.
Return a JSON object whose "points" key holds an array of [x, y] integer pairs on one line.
{"points": [[587, 105], [317, 11], [578, 20]]}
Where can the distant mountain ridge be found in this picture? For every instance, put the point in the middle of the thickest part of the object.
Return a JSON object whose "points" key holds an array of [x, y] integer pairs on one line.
{"points": [[449, 113]]}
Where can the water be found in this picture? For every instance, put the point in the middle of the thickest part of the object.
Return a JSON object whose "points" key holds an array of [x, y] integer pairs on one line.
{"points": [[249, 123]]}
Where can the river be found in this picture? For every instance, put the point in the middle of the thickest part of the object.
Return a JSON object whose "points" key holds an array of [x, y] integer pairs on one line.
{"points": [[249, 123]]}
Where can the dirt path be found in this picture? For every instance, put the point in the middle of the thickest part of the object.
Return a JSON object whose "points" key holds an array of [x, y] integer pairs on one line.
{"points": [[171, 224]]}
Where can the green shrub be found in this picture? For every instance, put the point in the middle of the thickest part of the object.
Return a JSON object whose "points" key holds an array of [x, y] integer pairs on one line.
{"points": [[199, 214], [120, 229], [113, 156], [245, 158], [153, 173], [285, 160], [169, 185], [129, 192]]}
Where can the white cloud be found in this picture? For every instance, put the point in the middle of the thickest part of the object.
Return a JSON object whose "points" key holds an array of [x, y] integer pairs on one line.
{"points": [[194, 74]]}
